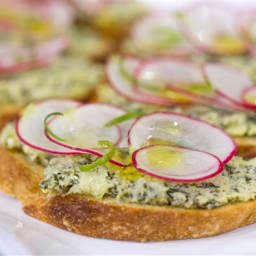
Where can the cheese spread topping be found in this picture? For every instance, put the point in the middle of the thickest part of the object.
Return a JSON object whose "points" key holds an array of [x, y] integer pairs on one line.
{"points": [[236, 183]]}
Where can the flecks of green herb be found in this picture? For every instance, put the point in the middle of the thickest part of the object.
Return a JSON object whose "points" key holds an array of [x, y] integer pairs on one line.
{"points": [[48, 130], [102, 160]]}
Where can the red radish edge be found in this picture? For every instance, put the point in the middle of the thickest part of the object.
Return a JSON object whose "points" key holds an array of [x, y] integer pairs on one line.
{"points": [[204, 99], [38, 147], [239, 104], [228, 158], [22, 66], [145, 99], [219, 170], [82, 150], [34, 63]]}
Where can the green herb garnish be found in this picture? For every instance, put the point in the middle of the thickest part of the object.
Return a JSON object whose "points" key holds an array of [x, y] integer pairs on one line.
{"points": [[102, 160], [48, 130], [127, 116]]}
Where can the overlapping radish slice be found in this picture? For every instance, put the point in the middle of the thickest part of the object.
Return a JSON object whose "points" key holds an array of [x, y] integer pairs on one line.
{"points": [[179, 130], [178, 164], [181, 76], [39, 26], [120, 76], [28, 58], [31, 130], [229, 83], [162, 33], [170, 71], [214, 29], [82, 128]]}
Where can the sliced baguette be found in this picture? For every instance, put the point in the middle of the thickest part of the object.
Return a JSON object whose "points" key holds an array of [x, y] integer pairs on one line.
{"points": [[111, 219]]}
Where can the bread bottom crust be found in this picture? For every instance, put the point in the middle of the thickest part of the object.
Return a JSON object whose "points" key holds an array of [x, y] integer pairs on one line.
{"points": [[112, 220], [118, 221]]}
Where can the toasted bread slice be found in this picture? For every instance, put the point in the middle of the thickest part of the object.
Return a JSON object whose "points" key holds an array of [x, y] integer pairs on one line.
{"points": [[105, 218], [113, 220]]}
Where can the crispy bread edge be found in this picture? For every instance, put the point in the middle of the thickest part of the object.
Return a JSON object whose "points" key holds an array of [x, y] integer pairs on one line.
{"points": [[118, 221], [112, 220]]}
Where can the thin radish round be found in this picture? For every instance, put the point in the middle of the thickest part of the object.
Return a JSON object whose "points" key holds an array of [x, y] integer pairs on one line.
{"points": [[229, 82], [176, 164], [30, 127], [181, 76], [214, 29], [181, 130], [30, 35], [82, 128], [161, 32], [33, 57], [124, 84], [170, 71]]}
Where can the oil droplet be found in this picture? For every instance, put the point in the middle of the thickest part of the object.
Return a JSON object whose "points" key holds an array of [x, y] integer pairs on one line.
{"points": [[163, 157]]}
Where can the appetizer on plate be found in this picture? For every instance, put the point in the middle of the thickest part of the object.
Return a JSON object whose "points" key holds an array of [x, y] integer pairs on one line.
{"points": [[96, 170], [158, 156]]}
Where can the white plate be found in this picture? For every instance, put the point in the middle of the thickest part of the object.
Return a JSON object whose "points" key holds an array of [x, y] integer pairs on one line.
{"points": [[22, 235]]}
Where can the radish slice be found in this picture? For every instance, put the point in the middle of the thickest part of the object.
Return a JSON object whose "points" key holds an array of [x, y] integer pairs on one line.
{"points": [[82, 128], [38, 24], [125, 86], [248, 96], [170, 71], [176, 164], [181, 130], [181, 76], [161, 32], [229, 82], [37, 56], [30, 127], [214, 29]]}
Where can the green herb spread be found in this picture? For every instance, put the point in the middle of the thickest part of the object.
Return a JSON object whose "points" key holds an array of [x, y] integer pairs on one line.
{"points": [[66, 77], [62, 175]]}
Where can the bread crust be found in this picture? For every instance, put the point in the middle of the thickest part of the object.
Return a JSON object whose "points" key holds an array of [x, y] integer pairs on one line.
{"points": [[113, 220], [83, 215]]}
